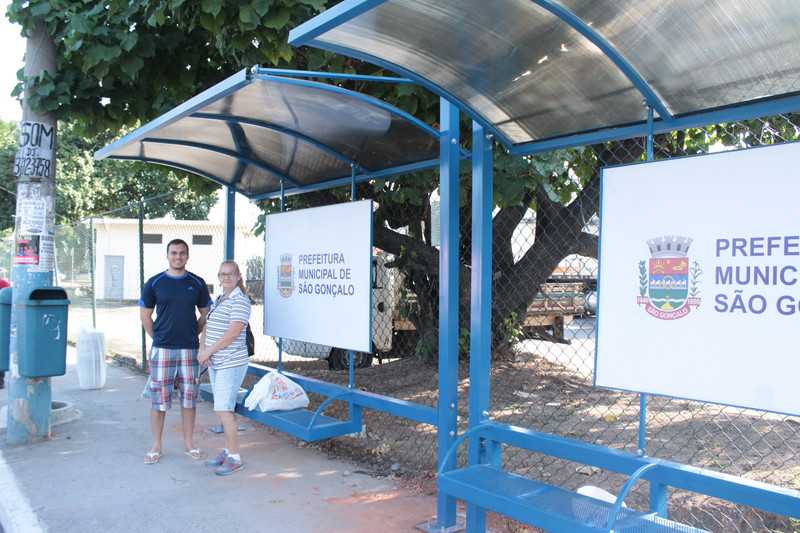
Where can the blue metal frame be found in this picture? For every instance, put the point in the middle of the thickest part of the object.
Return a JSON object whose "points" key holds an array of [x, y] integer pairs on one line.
{"points": [[480, 349], [770, 498], [424, 82], [340, 182], [608, 49], [280, 129], [422, 414], [732, 113], [178, 166], [233, 154], [449, 265], [230, 222], [282, 204], [356, 95], [332, 17], [641, 445], [331, 75]]}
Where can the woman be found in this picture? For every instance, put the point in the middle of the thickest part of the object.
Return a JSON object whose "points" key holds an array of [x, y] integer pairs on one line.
{"points": [[223, 348]]}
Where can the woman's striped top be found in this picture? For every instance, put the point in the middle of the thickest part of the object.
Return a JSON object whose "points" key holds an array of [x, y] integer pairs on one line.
{"points": [[226, 309]]}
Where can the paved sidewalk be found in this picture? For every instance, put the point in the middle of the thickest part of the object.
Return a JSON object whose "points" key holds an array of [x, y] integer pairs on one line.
{"points": [[90, 477]]}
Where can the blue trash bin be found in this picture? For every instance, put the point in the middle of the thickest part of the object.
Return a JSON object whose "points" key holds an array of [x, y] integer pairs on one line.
{"points": [[42, 335]]}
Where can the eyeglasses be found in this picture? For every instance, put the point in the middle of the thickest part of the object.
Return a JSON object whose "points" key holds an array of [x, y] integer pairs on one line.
{"points": [[226, 274]]}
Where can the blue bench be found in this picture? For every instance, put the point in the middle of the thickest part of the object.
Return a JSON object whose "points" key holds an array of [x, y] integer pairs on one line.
{"points": [[301, 423], [546, 506], [314, 425]]}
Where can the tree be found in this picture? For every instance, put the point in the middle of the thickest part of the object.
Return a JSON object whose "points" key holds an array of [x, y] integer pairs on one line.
{"points": [[107, 78]]}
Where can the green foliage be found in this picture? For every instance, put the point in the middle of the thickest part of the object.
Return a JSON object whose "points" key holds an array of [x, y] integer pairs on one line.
{"points": [[694, 274], [145, 57], [643, 279]]}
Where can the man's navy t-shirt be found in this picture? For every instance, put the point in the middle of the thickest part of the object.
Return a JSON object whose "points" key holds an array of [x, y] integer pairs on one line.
{"points": [[175, 300]]}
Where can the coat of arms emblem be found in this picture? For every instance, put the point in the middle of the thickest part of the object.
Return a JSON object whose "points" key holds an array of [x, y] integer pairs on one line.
{"points": [[668, 283], [285, 276]]}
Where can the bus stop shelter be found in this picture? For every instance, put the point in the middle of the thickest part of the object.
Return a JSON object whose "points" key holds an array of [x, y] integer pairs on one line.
{"points": [[534, 76]]}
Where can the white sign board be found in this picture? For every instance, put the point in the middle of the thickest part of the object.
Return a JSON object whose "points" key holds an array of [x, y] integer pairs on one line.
{"points": [[699, 289], [318, 275]]}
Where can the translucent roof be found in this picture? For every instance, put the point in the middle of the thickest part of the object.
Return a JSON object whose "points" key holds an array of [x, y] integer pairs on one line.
{"points": [[533, 70], [254, 130]]}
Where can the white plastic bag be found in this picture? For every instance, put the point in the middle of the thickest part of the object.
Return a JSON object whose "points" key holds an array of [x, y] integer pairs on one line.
{"points": [[145, 395], [91, 359], [276, 392]]}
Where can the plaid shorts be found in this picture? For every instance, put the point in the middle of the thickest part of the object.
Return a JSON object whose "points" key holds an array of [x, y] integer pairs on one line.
{"points": [[171, 366]]}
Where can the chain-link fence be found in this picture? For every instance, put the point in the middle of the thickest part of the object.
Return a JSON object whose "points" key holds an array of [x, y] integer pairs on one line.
{"points": [[545, 275]]}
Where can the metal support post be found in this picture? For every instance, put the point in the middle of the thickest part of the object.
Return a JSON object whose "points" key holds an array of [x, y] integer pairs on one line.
{"points": [[91, 270], [641, 445], [641, 442], [649, 133], [230, 222], [351, 371], [658, 499], [30, 398], [480, 345], [282, 204], [141, 277], [448, 299]]}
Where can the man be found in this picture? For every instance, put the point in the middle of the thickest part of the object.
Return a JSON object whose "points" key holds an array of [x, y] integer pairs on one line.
{"points": [[174, 294]]}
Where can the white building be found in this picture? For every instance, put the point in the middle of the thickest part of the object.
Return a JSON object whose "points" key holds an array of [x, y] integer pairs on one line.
{"points": [[117, 249]]}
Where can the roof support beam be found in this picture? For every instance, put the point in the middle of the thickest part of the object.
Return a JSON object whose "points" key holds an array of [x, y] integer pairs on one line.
{"points": [[332, 75], [763, 108], [178, 166], [339, 182], [369, 100], [280, 129], [224, 151], [242, 146], [331, 18], [630, 72]]}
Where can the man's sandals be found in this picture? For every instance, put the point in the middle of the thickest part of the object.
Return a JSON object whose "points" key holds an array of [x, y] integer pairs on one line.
{"points": [[152, 458], [195, 454]]}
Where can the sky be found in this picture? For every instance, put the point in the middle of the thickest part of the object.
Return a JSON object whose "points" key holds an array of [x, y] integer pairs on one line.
{"points": [[13, 47]]}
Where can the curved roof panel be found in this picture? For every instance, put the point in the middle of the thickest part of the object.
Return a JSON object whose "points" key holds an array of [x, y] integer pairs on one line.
{"points": [[255, 130], [538, 70]]}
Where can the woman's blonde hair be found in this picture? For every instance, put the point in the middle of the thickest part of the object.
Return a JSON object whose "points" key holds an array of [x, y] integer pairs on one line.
{"points": [[235, 265]]}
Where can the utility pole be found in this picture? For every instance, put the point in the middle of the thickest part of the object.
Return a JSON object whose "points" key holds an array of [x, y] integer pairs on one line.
{"points": [[29, 399]]}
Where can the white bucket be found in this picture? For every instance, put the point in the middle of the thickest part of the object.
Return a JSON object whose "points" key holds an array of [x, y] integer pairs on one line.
{"points": [[91, 359]]}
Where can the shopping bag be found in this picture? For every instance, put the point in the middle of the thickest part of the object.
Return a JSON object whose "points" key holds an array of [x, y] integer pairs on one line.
{"points": [[276, 392]]}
